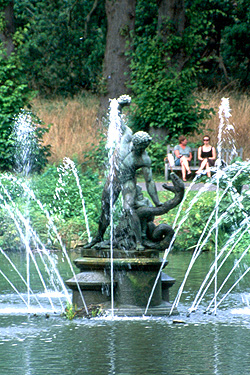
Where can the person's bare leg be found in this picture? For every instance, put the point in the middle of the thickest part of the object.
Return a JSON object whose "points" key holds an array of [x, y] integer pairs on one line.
{"points": [[186, 164], [184, 167], [183, 172], [202, 166], [208, 170]]}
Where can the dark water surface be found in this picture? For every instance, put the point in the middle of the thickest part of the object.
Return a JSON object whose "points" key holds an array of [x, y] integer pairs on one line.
{"points": [[199, 344]]}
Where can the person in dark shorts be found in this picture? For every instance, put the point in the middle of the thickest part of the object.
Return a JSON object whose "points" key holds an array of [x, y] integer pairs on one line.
{"points": [[206, 156]]}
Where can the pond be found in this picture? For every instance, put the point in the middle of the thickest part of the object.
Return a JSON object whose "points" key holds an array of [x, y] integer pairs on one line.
{"points": [[44, 342]]}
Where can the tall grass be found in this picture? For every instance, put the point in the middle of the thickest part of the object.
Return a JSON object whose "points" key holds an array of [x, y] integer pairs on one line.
{"points": [[75, 125], [240, 111]]}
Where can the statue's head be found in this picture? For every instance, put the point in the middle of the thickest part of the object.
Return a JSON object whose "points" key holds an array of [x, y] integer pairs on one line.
{"points": [[141, 140]]}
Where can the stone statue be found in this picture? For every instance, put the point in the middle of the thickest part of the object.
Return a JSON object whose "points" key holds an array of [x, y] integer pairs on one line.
{"points": [[136, 229], [120, 153], [137, 159], [159, 237], [153, 237], [125, 182]]}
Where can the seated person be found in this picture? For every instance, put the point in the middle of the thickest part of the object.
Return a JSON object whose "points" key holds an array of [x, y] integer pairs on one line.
{"points": [[206, 156], [183, 156]]}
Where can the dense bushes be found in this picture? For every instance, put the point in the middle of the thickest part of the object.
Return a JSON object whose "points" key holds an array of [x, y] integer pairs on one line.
{"points": [[52, 200], [53, 194], [64, 42], [15, 98], [233, 213], [164, 96], [61, 49], [14, 95]]}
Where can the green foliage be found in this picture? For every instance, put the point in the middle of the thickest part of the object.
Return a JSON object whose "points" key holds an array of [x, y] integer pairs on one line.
{"points": [[66, 212], [97, 156], [237, 174], [206, 21], [163, 95], [236, 202], [70, 312], [221, 30], [59, 192], [198, 210], [215, 44], [50, 195], [9, 236], [14, 95], [96, 311], [234, 207], [28, 153], [236, 45], [192, 228], [157, 152], [146, 17], [62, 46]]}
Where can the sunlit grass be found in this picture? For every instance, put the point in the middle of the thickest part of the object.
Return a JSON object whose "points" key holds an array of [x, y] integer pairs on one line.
{"points": [[74, 125], [240, 111], [75, 122]]}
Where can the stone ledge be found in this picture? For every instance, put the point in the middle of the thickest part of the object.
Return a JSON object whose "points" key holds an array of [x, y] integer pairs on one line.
{"points": [[86, 264]]}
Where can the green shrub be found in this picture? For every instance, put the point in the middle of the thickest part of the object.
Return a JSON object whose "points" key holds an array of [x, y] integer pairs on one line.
{"points": [[62, 47], [234, 209], [14, 95], [37, 200], [29, 154], [157, 151], [164, 96], [97, 156]]}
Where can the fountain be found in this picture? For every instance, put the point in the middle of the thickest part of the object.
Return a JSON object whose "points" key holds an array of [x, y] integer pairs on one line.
{"points": [[32, 344], [124, 274], [119, 273]]}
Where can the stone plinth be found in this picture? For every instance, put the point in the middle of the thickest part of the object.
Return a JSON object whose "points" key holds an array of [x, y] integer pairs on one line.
{"points": [[134, 279], [95, 287]]}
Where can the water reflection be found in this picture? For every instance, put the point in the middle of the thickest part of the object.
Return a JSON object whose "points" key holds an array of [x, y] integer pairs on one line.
{"points": [[199, 344], [151, 346]]}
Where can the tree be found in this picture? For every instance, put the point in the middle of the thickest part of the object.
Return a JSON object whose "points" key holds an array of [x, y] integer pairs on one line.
{"points": [[235, 46], [171, 21], [173, 11], [14, 92], [121, 22], [206, 21], [163, 75], [7, 30], [63, 44]]}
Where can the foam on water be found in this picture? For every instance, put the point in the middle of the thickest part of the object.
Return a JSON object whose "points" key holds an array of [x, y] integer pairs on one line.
{"points": [[241, 311]]}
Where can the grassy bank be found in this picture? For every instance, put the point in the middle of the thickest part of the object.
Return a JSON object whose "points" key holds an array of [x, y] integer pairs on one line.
{"points": [[240, 114], [75, 123]]}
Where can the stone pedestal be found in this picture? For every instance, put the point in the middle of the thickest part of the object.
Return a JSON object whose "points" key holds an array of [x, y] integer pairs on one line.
{"points": [[133, 281]]}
